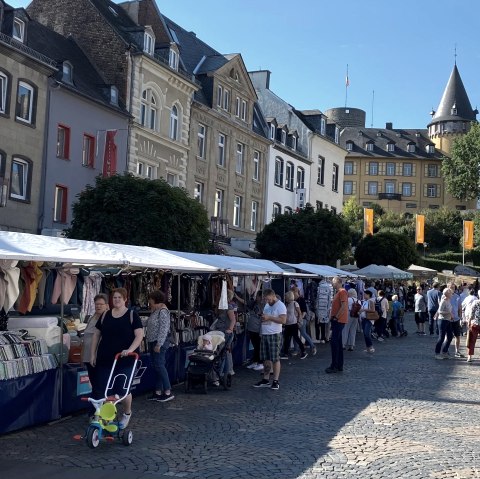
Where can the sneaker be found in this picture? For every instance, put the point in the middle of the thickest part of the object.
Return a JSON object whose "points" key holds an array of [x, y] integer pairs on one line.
{"points": [[440, 356], [322, 341], [232, 373], [275, 386], [458, 354], [314, 351], [316, 341], [155, 397], [252, 365], [304, 355], [258, 367], [264, 383], [370, 350], [424, 333], [331, 370], [166, 397], [123, 423], [284, 357], [446, 355], [469, 359], [350, 348], [379, 338], [216, 383]]}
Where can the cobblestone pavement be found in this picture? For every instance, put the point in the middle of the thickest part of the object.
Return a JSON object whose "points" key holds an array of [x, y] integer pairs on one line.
{"points": [[394, 414]]}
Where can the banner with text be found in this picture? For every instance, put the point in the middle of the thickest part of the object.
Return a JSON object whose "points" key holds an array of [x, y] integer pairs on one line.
{"points": [[419, 229], [468, 234], [367, 221]]}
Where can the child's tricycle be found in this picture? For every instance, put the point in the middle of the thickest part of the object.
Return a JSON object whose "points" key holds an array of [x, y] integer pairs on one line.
{"points": [[105, 423]]}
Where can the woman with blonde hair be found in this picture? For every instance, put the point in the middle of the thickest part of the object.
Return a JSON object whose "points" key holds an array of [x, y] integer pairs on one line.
{"points": [[291, 326], [350, 329]]}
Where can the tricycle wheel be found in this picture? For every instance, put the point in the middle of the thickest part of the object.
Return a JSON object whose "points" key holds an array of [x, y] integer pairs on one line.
{"points": [[127, 437], [93, 438], [227, 381]]}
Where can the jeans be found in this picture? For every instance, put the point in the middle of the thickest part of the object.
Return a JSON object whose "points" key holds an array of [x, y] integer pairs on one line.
{"points": [[399, 324], [162, 382], [227, 364], [349, 332], [381, 326], [305, 335], [367, 332], [291, 332], [336, 345], [445, 328], [432, 323]]}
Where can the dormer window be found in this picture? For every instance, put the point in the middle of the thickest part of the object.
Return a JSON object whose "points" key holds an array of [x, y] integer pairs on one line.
{"points": [[369, 146], [349, 145], [283, 137], [18, 30], [67, 72], [411, 148], [272, 131], [114, 95], [391, 147], [148, 43], [337, 135], [173, 59], [294, 142], [430, 148], [323, 126], [453, 111]]}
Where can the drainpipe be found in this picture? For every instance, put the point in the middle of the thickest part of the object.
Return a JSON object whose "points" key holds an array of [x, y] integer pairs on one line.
{"points": [[131, 63]]}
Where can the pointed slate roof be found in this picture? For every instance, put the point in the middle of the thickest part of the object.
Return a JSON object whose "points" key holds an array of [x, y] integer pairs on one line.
{"points": [[454, 97]]}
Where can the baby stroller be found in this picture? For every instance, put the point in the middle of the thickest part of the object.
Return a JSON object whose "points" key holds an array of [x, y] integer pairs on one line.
{"points": [[206, 366]]}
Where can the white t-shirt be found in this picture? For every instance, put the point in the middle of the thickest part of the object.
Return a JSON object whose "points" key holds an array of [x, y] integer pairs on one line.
{"points": [[277, 309]]}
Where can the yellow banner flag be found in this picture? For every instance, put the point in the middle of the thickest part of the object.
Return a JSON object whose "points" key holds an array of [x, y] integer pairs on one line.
{"points": [[468, 234], [367, 221], [420, 229]]}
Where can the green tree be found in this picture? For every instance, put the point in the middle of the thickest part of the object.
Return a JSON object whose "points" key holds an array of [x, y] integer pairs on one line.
{"points": [[386, 248], [319, 237], [352, 213], [130, 210], [443, 228], [462, 169]]}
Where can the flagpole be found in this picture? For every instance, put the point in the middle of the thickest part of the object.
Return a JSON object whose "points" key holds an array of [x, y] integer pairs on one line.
{"points": [[463, 244], [346, 87]]}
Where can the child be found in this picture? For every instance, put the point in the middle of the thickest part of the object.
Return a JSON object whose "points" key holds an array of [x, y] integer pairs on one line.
{"points": [[207, 343]]}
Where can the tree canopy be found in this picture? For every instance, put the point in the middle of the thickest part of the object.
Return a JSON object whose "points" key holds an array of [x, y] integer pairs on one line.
{"points": [[462, 169], [386, 248], [318, 237], [130, 210]]}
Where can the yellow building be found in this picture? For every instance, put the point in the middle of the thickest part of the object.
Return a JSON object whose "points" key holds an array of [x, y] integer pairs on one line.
{"points": [[400, 169]]}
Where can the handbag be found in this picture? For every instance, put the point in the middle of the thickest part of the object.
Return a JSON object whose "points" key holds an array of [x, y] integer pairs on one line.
{"points": [[371, 314]]}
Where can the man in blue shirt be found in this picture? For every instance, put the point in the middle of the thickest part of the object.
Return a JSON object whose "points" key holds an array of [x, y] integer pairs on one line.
{"points": [[433, 301]]}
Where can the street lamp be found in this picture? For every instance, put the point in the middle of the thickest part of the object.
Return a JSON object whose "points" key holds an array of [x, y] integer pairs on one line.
{"points": [[425, 246]]}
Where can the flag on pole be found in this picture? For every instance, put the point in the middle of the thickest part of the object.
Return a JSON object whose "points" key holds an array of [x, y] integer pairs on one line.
{"points": [[367, 221], [347, 81], [468, 234], [419, 229]]}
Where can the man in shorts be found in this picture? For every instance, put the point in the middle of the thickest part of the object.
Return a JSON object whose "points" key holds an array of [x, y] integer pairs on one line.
{"points": [[273, 317]]}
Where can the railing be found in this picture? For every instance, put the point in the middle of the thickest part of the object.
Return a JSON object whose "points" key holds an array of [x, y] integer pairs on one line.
{"points": [[390, 196], [27, 50]]}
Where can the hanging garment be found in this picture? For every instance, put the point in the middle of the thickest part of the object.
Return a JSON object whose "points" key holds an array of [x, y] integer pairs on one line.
{"points": [[91, 287], [223, 303], [11, 277], [69, 279], [324, 301], [31, 275]]}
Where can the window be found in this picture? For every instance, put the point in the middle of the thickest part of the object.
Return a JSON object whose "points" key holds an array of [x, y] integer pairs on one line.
{"points": [[173, 59], [172, 179], [277, 210], [433, 191], [67, 72], [323, 126], [148, 43], [140, 168], [321, 171], [337, 136], [390, 147], [226, 100], [335, 178], [301, 178], [60, 207], [237, 107], [430, 148], [114, 95], [219, 96], [370, 146], [372, 187], [283, 137], [411, 148], [25, 102], [389, 187], [237, 210], [289, 173], [348, 169], [256, 165], [253, 218], [240, 159], [278, 180], [349, 145], [333, 210], [373, 168], [406, 189], [218, 206], [272, 131], [201, 141], [174, 123], [18, 30], [287, 210], [244, 110], [20, 179], [390, 169], [222, 145], [4, 85], [294, 142], [407, 169], [88, 151], [148, 109], [63, 142], [198, 192], [432, 171], [348, 187], [149, 174]]}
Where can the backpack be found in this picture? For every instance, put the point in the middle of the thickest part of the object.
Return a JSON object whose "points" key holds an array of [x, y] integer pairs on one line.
{"points": [[355, 309], [378, 307]]}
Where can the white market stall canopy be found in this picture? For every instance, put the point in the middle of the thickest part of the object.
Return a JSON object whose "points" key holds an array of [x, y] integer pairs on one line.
{"points": [[400, 274], [321, 270], [375, 271], [234, 264], [421, 270], [29, 247]]}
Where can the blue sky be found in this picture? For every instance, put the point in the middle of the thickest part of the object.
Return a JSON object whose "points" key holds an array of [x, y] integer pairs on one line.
{"points": [[404, 51]]}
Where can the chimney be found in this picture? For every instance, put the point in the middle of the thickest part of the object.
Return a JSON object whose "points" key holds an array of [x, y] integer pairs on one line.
{"points": [[260, 79], [389, 125]]}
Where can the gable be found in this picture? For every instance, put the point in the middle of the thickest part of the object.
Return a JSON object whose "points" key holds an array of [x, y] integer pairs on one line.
{"points": [[236, 75]]}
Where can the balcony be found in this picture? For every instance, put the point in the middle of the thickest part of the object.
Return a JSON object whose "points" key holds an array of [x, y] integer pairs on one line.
{"points": [[390, 196]]}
